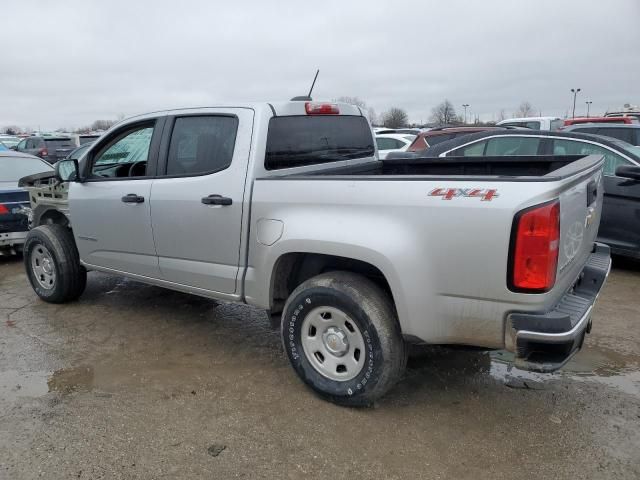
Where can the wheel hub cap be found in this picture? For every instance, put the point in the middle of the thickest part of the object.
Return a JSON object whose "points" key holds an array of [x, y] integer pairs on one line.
{"points": [[46, 266], [333, 343], [42, 267]]}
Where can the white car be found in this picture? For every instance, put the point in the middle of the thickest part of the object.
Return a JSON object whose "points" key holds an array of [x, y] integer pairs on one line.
{"points": [[534, 123], [393, 142]]}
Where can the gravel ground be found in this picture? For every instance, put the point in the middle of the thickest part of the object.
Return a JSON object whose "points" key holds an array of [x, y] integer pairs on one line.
{"points": [[134, 381]]}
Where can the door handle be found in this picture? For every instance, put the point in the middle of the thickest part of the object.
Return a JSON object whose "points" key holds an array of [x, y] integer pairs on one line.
{"points": [[132, 198], [216, 200]]}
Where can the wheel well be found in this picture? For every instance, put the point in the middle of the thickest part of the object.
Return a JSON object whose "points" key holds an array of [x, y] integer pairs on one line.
{"points": [[292, 269], [52, 216]]}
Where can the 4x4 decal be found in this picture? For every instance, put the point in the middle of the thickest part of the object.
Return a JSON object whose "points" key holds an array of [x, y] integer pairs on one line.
{"points": [[485, 194]]}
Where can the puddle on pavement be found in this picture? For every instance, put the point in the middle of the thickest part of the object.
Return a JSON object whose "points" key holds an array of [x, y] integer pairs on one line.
{"points": [[14, 384], [590, 364], [68, 380]]}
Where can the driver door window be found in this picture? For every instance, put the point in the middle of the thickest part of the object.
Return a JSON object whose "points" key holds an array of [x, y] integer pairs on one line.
{"points": [[126, 156]]}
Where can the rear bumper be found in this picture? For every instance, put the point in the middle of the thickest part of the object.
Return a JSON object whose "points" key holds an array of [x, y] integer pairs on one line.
{"points": [[12, 239], [545, 342]]}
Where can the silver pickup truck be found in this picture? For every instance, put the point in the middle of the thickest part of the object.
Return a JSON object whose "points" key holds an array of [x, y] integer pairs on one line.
{"points": [[285, 206]]}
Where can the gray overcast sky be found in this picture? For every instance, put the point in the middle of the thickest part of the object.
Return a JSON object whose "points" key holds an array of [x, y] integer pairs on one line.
{"points": [[65, 64]]}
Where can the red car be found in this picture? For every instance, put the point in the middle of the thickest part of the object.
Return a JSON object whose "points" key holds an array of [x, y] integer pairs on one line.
{"points": [[575, 121], [434, 136]]}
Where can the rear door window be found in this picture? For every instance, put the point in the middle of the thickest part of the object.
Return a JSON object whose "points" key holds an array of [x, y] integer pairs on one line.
{"points": [[296, 141], [389, 143], [574, 147], [512, 145], [386, 143], [624, 134], [202, 144], [475, 150]]}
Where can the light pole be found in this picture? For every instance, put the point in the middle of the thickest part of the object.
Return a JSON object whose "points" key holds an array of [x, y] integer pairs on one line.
{"points": [[588, 105], [465, 105], [575, 93]]}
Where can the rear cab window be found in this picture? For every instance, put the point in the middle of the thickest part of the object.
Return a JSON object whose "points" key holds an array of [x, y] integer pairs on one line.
{"points": [[301, 140]]}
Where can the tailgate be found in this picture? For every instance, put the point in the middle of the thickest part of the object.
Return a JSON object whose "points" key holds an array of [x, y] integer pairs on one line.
{"points": [[13, 217], [580, 210]]}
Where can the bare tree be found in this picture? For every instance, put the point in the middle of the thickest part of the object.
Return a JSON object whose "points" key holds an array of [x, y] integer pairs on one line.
{"points": [[525, 110], [502, 115], [102, 124], [11, 130], [358, 102], [395, 118], [444, 114]]}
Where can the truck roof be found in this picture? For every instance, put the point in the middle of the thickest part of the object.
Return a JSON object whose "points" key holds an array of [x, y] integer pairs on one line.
{"points": [[281, 108]]}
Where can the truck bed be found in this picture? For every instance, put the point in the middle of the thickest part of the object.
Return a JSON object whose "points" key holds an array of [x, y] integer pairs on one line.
{"points": [[525, 168]]}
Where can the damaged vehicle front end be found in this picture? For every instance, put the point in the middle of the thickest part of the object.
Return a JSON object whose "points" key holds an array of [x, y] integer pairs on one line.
{"points": [[15, 208]]}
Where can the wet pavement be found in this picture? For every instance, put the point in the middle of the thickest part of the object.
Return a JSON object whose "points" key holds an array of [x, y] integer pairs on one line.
{"points": [[134, 381]]}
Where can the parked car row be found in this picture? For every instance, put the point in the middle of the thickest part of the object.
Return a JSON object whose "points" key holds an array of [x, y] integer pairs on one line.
{"points": [[51, 148]]}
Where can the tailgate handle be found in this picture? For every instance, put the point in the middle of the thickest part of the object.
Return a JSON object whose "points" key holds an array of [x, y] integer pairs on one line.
{"points": [[132, 198], [592, 192], [217, 200]]}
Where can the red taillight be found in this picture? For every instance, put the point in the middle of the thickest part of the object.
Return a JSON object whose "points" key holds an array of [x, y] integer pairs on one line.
{"points": [[321, 108], [43, 152], [534, 254], [3, 209]]}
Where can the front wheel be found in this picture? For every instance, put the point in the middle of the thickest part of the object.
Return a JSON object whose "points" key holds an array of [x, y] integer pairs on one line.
{"points": [[53, 265], [342, 337]]}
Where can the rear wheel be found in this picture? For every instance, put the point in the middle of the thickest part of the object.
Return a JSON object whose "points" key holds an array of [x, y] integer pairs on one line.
{"points": [[53, 265], [342, 337]]}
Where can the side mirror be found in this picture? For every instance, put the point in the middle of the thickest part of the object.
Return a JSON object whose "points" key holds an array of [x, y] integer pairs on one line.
{"points": [[628, 171], [67, 170]]}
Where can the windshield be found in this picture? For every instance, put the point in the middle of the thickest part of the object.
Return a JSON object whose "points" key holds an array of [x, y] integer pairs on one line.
{"points": [[13, 169]]}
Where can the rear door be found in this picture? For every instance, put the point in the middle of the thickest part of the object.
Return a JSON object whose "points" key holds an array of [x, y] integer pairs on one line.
{"points": [[111, 208], [197, 199], [620, 224]]}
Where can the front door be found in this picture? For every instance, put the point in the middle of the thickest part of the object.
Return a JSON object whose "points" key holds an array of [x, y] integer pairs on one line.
{"points": [[197, 199], [110, 210]]}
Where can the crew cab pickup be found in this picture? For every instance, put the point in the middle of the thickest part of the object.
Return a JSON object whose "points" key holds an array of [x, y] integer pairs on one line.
{"points": [[285, 206]]}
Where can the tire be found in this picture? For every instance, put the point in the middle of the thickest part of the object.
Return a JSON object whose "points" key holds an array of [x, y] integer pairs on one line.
{"points": [[326, 320], [53, 265]]}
